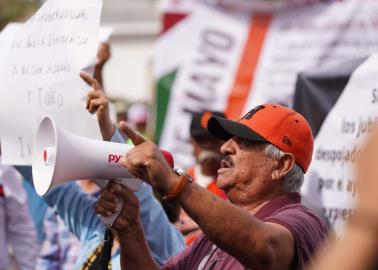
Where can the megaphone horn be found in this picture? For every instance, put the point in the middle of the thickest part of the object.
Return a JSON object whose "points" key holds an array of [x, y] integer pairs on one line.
{"points": [[60, 156]]}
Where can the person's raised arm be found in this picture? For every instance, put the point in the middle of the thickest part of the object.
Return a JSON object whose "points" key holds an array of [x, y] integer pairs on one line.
{"points": [[103, 55], [98, 102], [160, 233]]}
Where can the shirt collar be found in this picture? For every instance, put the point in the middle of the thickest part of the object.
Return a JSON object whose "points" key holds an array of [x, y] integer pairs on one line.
{"points": [[276, 203]]}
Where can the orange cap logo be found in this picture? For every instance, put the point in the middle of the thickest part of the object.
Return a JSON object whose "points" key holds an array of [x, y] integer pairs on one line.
{"points": [[205, 119]]}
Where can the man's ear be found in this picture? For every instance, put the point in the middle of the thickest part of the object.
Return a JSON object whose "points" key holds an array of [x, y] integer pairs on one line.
{"points": [[284, 166]]}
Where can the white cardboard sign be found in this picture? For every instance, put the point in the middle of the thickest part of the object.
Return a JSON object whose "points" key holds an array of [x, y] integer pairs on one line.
{"points": [[39, 75]]}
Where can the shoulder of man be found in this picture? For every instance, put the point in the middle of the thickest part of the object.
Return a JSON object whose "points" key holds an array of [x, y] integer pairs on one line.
{"points": [[307, 228]]}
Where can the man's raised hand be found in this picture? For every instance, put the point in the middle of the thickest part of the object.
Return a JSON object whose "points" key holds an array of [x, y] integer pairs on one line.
{"points": [[134, 136], [98, 102], [147, 162]]}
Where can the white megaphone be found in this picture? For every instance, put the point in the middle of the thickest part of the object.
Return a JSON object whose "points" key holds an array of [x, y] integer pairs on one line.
{"points": [[60, 156]]}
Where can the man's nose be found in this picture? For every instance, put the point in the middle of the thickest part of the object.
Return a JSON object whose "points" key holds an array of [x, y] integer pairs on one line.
{"points": [[227, 148]]}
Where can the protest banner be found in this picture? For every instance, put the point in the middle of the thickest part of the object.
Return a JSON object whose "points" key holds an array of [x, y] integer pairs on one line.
{"points": [[330, 182], [40, 75], [234, 60]]}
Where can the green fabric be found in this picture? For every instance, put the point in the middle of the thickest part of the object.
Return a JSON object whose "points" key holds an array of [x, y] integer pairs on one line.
{"points": [[163, 93]]}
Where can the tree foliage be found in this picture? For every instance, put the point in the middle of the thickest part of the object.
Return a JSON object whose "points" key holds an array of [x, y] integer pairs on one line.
{"points": [[16, 10]]}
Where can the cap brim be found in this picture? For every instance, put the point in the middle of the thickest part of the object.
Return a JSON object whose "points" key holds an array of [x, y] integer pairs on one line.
{"points": [[225, 129]]}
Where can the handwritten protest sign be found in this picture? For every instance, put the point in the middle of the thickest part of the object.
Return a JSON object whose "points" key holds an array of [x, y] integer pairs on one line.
{"points": [[40, 75]]}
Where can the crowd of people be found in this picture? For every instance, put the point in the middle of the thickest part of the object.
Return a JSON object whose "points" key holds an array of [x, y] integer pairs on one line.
{"points": [[238, 207]]}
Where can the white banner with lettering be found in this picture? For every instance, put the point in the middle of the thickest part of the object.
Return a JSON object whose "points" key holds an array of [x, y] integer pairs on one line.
{"points": [[234, 61], [299, 39], [330, 181], [40, 75], [206, 73]]}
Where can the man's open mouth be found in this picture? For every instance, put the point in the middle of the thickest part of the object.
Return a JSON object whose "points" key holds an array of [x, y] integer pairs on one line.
{"points": [[226, 162]]}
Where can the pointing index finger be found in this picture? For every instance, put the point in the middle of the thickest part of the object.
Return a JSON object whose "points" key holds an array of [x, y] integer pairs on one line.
{"points": [[135, 137], [87, 78], [90, 80]]}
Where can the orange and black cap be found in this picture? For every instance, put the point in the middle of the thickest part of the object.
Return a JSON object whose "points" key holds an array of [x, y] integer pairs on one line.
{"points": [[272, 123]]}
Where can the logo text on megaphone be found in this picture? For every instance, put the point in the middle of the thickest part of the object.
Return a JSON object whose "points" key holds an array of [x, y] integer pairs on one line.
{"points": [[114, 158]]}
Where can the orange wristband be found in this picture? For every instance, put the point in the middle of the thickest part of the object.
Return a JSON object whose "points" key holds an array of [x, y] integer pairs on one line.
{"points": [[177, 189]]}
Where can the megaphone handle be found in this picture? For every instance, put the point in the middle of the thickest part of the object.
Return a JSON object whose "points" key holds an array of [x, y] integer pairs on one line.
{"points": [[131, 183], [110, 220]]}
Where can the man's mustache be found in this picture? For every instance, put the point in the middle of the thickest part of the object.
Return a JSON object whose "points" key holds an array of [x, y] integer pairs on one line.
{"points": [[229, 160]]}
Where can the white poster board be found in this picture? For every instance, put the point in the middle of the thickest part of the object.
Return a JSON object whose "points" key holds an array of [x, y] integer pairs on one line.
{"points": [[40, 75], [330, 181]]}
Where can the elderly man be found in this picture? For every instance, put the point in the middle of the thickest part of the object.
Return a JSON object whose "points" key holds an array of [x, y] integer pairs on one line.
{"points": [[264, 227]]}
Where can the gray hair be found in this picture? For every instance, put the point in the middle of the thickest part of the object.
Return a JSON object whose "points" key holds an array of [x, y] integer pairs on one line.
{"points": [[293, 181]]}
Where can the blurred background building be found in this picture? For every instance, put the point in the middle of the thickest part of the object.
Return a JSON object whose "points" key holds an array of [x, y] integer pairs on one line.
{"points": [[128, 75]]}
